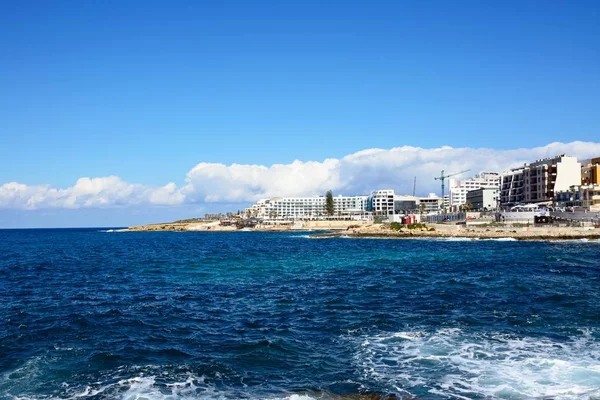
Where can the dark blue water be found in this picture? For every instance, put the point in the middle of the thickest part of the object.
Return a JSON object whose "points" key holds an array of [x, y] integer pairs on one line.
{"points": [[86, 314]]}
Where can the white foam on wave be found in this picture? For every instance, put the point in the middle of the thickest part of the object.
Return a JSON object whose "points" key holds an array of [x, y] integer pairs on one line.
{"points": [[471, 239], [114, 230], [139, 388], [457, 239], [453, 364], [149, 382], [582, 240]]}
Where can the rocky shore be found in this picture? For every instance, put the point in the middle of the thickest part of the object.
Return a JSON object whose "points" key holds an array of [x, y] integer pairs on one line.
{"points": [[184, 227], [216, 226], [387, 231], [384, 231]]}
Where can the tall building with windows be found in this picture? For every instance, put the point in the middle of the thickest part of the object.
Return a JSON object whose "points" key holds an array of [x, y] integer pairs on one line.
{"points": [[460, 187], [381, 202], [511, 186], [539, 181]]}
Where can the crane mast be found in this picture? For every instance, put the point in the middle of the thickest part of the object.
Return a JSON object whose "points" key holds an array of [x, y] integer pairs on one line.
{"points": [[443, 177]]}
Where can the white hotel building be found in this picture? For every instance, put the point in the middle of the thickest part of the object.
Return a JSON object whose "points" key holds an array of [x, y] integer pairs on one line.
{"points": [[380, 203], [307, 208], [460, 188]]}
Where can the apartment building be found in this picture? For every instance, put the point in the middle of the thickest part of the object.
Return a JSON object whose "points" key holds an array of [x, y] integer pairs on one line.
{"points": [[511, 186], [538, 181], [386, 203], [460, 187], [586, 195], [381, 202]]}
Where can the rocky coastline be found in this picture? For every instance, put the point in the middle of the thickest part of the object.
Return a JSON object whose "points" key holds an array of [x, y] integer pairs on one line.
{"points": [[231, 226], [387, 231], [384, 231]]}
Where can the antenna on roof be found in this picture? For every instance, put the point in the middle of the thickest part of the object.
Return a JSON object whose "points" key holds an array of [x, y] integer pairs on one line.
{"points": [[415, 186]]}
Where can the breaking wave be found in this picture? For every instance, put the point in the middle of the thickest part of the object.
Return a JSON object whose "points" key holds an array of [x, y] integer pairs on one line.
{"points": [[451, 363], [137, 383]]}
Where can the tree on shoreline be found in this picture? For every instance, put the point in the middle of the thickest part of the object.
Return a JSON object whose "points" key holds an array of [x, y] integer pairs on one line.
{"points": [[466, 207], [329, 206]]}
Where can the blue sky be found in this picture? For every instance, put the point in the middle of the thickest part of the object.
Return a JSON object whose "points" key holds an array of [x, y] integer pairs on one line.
{"points": [[147, 90]]}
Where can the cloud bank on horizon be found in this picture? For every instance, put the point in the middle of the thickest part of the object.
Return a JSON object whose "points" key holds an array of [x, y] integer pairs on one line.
{"points": [[357, 173]]}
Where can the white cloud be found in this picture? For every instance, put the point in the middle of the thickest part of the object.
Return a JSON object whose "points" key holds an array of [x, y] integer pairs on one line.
{"points": [[362, 172], [87, 193], [222, 183], [356, 173]]}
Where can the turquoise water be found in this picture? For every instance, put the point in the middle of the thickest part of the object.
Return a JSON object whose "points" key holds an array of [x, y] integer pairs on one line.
{"points": [[90, 314]]}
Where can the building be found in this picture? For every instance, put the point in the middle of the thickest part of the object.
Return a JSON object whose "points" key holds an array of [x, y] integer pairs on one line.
{"points": [[590, 171], [511, 186], [483, 199], [459, 188], [430, 204], [539, 181], [404, 205], [386, 203], [307, 208], [446, 202], [381, 202], [585, 196]]}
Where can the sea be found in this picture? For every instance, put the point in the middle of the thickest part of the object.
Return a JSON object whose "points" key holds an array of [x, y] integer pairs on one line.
{"points": [[111, 314]]}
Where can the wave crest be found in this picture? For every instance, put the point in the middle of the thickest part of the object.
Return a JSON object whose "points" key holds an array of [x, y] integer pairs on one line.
{"points": [[453, 364]]}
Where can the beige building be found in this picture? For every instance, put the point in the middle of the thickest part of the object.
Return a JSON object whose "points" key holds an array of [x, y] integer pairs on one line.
{"points": [[539, 181], [590, 171]]}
